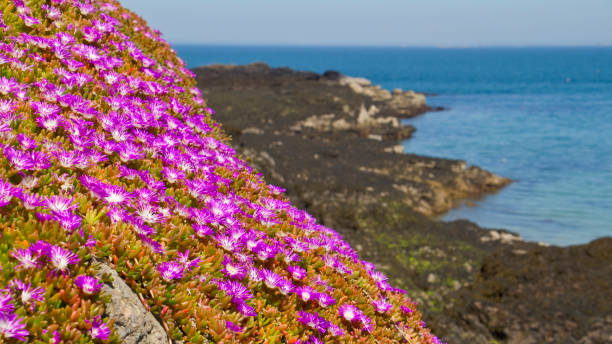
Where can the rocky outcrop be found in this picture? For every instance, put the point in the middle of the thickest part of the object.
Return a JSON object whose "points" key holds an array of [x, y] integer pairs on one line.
{"points": [[321, 137], [339, 131], [133, 322]]}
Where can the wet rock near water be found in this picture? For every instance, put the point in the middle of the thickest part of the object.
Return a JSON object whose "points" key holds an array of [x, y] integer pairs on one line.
{"points": [[333, 142]]}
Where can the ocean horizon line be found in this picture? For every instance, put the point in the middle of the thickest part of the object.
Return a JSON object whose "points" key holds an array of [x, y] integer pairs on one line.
{"points": [[282, 45]]}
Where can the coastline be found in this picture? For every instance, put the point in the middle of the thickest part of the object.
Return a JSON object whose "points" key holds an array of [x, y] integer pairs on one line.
{"points": [[295, 128]]}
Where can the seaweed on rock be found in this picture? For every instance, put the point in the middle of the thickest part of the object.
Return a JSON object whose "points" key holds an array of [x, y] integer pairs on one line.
{"points": [[111, 155]]}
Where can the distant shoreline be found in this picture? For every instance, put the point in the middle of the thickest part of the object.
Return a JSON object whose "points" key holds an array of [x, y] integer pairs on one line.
{"points": [[475, 285]]}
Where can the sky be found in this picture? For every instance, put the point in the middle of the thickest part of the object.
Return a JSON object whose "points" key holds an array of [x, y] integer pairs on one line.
{"points": [[443, 23]]}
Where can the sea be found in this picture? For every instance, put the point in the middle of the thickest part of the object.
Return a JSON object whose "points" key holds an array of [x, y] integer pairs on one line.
{"points": [[540, 116]]}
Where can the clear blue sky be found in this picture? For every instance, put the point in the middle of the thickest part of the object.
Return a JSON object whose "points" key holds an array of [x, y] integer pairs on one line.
{"points": [[380, 22]]}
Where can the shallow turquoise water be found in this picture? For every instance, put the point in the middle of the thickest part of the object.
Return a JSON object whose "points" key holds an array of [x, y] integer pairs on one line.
{"points": [[541, 116]]}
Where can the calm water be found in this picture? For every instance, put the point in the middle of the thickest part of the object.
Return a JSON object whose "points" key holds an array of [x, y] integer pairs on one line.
{"points": [[541, 116]]}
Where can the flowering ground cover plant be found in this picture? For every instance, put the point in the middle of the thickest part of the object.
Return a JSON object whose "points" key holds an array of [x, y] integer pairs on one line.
{"points": [[109, 154]]}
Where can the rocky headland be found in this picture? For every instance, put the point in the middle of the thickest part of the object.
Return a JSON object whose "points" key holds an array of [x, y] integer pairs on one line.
{"points": [[333, 142]]}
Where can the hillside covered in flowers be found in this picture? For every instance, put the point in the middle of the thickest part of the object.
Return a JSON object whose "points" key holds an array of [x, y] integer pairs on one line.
{"points": [[111, 156]]}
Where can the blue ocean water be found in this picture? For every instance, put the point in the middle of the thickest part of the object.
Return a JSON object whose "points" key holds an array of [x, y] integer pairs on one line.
{"points": [[540, 116]]}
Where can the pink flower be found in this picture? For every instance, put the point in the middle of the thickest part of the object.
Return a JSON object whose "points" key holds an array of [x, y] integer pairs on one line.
{"points": [[236, 290], [98, 330], [7, 192], [60, 204], [170, 271], [28, 295], [114, 194], [55, 336], [313, 321], [405, 309], [88, 284], [6, 304], [285, 286], [183, 258], [305, 293], [233, 270], [232, 327], [13, 327], [325, 300], [245, 309], [29, 21], [349, 312], [296, 272], [60, 259], [382, 306], [271, 279]]}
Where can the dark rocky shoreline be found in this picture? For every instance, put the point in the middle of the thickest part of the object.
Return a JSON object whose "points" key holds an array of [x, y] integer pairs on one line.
{"points": [[332, 141]]}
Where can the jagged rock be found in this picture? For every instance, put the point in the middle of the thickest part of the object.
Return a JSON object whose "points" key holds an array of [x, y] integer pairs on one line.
{"points": [[134, 324], [504, 290], [332, 75]]}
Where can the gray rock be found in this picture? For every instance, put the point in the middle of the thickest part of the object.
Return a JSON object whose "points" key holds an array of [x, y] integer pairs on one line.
{"points": [[133, 323]]}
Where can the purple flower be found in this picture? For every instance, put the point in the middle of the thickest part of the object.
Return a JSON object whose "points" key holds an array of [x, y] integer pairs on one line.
{"points": [[55, 336], [236, 290], [381, 306], [7, 85], [378, 276], [406, 309], [50, 122], [228, 243], [183, 258], [335, 330], [290, 257], [233, 270], [148, 213], [60, 204], [44, 109], [70, 222], [26, 142], [18, 159], [98, 329], [60, 259], [325, 300], [88, 284], [91, 242], [296, 272], [265, 251], [13, 327], [271, 279], [152, 244], [173, 175], [245, 309], [28, 295], [29, 21], [27, 259], [7, 192], [203, 230], [285, 286], [366, 323], [170, 271], [31, 200], [254, 274], [305, 293], [349, 312], [6, 304], [114, 194], [313, 321], [129, 151], [232, 327]]}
